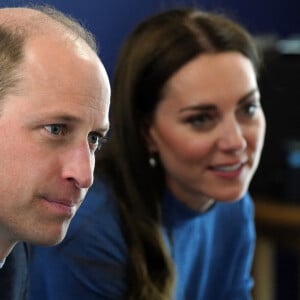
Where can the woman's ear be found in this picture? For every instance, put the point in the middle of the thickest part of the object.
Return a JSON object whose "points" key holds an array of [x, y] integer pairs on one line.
{"points": [[148, 136]]}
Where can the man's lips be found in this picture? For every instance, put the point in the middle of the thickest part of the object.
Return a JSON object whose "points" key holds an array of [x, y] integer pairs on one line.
{"points": [[65, 202], [61, 206]]}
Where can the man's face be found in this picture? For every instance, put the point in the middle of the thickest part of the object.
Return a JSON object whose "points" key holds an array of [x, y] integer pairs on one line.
{"points": [[50, 129]]}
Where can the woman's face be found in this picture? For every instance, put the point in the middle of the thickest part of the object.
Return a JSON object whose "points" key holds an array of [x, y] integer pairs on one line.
{"points": [[209, 128]]}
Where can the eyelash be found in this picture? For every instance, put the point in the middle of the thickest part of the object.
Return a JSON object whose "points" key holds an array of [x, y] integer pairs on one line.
{"points": [[101, 140], [62, 127], [202, 120], [207, 120], [250, 108]]}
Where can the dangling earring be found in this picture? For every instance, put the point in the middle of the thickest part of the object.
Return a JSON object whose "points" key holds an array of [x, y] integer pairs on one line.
{"points": [[152, 161]]}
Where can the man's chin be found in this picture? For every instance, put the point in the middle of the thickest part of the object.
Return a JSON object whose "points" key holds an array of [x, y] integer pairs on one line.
{"points": [[51, 241], [51, 238]]}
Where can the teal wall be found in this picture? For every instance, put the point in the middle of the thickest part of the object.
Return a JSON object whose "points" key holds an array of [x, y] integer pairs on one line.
{"points": [[111, 20]]}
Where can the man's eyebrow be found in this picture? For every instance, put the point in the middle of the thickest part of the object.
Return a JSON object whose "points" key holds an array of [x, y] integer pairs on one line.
{"points": [[103, 130], [72, 119], [54, 117], [67, 118]]}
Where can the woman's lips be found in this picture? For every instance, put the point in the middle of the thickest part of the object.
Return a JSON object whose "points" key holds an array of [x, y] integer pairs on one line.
{"points": [[228, 171], [228, 167]]}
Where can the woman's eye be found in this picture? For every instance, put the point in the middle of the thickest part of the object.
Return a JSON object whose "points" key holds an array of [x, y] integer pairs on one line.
{"points": [[200, 121], [250, 109], [55, 129]]}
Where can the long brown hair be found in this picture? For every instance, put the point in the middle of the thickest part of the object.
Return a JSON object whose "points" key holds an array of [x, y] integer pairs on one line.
{"points": [[152, 53]]}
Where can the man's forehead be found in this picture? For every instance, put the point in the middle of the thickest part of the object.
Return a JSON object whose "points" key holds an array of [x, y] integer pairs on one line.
{"points": [[25, 18], [30, 22]]}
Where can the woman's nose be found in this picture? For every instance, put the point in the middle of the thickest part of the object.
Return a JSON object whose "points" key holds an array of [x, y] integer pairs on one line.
{"points": [[232, 136]]}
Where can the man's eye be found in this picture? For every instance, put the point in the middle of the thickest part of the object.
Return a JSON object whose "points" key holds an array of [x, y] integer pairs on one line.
{"points": [[96, 141], [55, 129]]}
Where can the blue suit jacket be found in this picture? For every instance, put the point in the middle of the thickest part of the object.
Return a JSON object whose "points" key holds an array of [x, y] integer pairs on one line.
{"points": [[14, 274]]}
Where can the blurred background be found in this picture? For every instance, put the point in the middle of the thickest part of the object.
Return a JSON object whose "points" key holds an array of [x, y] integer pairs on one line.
{"points": [[276, 186]]}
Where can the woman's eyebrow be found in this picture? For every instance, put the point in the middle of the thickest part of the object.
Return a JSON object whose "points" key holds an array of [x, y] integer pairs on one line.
{"points": [[198, 107], [207, 107], [249, 95]]}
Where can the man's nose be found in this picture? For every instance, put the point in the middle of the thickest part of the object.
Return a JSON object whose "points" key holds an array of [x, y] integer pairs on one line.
{"points": [[79, 166]]}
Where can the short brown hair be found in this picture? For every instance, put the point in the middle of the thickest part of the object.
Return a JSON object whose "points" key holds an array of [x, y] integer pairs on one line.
{"points": [[13, 35]]}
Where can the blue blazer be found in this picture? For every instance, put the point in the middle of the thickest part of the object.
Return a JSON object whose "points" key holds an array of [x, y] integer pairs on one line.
{"points": [[14, 274]]}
